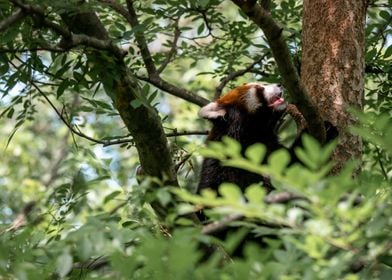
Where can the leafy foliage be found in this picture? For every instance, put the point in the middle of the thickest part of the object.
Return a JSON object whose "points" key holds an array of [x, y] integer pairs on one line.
{"points": [[71, 203]]}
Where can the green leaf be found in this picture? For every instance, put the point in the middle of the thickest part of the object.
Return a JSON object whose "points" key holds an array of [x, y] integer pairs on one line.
{"points": [[233, 147], [385, 15], [309, 155], [388, 52], [4, 67], [152, 96], [5, 112], [279, 160], [255, 193], [231, 192], [201, 28], [9, 35], [122, 264], [10, 113], [62, 87], [64, 68], [326, 151], [208, 193], [310, 144], [163, 196], [18, 124], [103, 105], [255, 153], [136, 103], [203, 3], [111, 196], [86, 109], [79, 77]]}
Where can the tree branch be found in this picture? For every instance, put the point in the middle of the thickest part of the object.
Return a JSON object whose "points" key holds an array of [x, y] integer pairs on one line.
{"points": [[371, 69], [22, 218], [117, 8], [70, 39], [105, 143], [50, 48], [143, 122], [153, 73], [60, 115], [282, 197], [273, 33], [232, 76], [12, 19], [176, 91], [173, 50], [176, 133], [62, 154], [218, 226], [141, 41]]}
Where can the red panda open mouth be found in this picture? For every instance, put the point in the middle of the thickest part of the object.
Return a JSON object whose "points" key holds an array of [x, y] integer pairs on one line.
{"points": [[275, 101]]}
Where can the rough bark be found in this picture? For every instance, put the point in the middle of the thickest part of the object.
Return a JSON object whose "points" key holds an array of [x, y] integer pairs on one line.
{"points": [[333, 64]]}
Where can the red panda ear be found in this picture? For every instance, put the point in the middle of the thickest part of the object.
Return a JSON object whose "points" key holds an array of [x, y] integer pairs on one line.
{"points": [[212, 111]]}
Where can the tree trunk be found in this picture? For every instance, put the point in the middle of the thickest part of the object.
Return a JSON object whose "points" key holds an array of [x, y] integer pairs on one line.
{"points": [[332, 69], [143, 122]]}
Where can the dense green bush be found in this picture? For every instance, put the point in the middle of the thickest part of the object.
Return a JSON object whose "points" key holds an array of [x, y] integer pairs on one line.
{"points": [[71, 208], [333, 227]]}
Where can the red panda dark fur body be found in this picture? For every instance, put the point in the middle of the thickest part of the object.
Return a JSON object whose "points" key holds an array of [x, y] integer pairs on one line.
{"points": [[248, 114]]}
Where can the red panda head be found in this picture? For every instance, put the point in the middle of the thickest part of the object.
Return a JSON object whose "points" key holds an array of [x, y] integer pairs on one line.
{"points": [[251, 98]]}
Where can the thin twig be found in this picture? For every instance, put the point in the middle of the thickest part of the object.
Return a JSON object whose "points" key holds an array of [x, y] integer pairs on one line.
{"points": [[34, 49], [175, 91], [173, 50], [183, 160], [232, 76], [21, 219], [383, 170], [282, 197], [221, 225], [92, 264], [218, 226], [104, 142], [176, 133], [60, 115]]}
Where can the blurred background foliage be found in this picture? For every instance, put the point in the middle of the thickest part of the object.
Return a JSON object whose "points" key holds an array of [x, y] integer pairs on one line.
{"points": [[85, 198]]}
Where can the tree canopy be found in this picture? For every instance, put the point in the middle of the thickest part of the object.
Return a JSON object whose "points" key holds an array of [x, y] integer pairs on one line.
{"points": [[101, 145]]}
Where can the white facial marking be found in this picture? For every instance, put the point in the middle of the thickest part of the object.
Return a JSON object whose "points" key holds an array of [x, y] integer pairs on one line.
{"points": [[272, 91], [212, 111], [272, 94], [251, 100]]}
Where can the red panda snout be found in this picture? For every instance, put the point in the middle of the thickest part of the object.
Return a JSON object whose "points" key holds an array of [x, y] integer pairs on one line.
{"points": [[273, 95]]}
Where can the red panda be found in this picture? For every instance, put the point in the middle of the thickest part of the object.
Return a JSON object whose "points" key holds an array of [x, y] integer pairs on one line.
{"points": [[249, 114]]}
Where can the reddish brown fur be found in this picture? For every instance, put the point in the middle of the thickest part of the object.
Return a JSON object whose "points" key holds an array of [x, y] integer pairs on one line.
{"points": [[234, 96]]}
